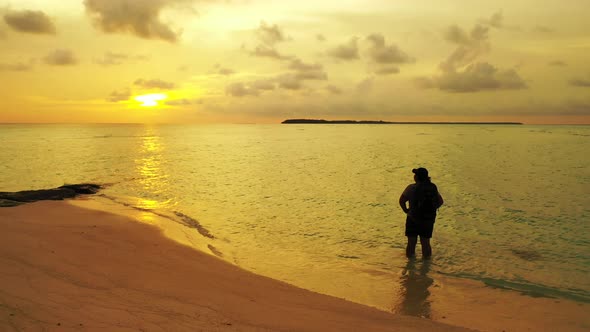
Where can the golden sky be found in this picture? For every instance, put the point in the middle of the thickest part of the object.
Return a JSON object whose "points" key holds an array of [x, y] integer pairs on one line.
{"points": [[262, 61]]}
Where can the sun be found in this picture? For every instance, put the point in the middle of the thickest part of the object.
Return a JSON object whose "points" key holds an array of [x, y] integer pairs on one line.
{"points": [[150, 100]]}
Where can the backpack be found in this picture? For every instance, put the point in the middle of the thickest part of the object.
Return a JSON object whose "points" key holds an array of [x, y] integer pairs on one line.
{"points": [[425, 202]]}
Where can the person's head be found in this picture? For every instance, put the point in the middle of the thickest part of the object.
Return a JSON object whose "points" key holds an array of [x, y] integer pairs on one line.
{"points": [[421, 174]]}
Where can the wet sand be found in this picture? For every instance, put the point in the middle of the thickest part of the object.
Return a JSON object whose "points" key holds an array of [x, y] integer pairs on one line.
{"points": [[65, 267]]}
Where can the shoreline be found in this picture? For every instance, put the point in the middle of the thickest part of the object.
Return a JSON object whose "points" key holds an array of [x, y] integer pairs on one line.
{"points": [[124, 233], [68, 267]]}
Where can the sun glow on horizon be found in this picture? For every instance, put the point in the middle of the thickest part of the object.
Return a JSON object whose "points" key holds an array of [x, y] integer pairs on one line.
{"points": [[150, 100]]}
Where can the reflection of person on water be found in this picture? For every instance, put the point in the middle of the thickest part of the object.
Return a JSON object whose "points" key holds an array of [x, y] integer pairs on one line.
{"points": [[414, 289], [424, 200]]}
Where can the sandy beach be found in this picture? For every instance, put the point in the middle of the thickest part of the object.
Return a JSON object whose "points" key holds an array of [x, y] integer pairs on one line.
{"points": [[71, 265], [69, 268]]}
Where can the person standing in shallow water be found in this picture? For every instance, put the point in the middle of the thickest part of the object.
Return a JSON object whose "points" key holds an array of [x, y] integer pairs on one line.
{"points": [[424, 200]]}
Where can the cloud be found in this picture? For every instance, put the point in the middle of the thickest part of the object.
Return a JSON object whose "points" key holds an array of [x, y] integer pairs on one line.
{"points": [[137, 17], [469, 46], [184, 102], [365, 85], [226, 71], [300, 72], [119, 95], [348, 51], [461, 72], [239, 89], [475, 37], [154, 84], [384, 56], [334, 89], [475, 77], [462, 56], [61, 57], [29, 21], [387, 71], [381, 53], [19, 66], [297, 64], [268, 52], [557, 63], [580, 82], [270, 35], [496, 20], [289, 82], [114, 59], [223, 71], [306, 71], [263, 85], [320, 37], [254, 88]]}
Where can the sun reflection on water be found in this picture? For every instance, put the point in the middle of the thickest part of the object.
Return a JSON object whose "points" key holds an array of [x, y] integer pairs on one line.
{"points": [[153, 178], [149, 204]]}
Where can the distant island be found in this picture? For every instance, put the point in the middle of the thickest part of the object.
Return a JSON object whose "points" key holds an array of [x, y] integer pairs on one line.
{"points": [[321, 121]]}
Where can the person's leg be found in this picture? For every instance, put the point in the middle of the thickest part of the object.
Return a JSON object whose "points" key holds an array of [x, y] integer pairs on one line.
{"points": [[426, 248], [411, 247]]}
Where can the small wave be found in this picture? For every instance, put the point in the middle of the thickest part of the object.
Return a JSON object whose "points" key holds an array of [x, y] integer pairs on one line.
{"points": [[509, 210], [193, 223], [527, 255], [215, 251], [184, 219], [348, 257], [526, 288]]}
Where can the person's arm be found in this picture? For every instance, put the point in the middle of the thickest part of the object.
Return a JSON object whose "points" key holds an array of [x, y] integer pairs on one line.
{"points": [[403, 199], [440, 201]]}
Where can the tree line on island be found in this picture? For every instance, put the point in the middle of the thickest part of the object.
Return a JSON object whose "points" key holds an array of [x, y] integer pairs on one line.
{"points": [[322, 121]]}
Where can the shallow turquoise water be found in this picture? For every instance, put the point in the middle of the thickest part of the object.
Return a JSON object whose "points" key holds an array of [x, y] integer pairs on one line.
{"points": [[316, 205]]}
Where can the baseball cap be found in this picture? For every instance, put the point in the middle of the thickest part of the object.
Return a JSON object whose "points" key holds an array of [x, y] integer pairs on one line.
{"points": [[421, 172]]}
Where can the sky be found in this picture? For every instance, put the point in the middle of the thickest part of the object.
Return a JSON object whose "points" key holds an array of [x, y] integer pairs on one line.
{"points": [[263, 61]]}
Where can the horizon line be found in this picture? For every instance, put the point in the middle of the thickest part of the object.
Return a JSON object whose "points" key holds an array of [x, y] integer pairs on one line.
{"points": [[278, 123]]}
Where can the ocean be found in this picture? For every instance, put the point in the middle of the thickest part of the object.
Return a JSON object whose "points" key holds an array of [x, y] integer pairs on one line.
{"points": [[317, 205]]}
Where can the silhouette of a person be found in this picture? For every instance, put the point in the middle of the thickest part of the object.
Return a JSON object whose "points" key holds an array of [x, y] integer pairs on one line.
{"points": [[420, 220]]}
